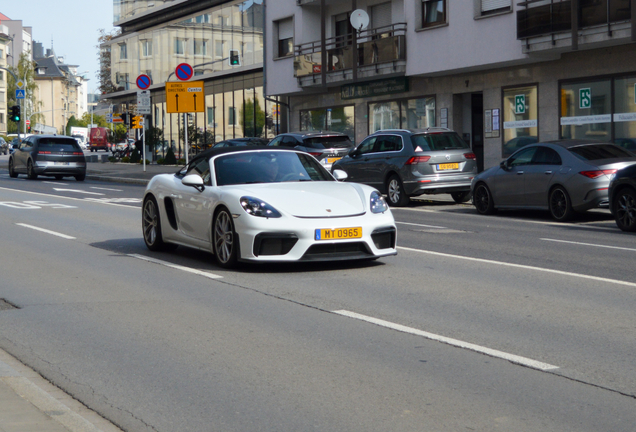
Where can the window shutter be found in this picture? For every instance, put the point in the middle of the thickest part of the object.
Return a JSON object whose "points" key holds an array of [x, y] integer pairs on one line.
{"points": [[381, 15], [489, 5], [285, 29]]}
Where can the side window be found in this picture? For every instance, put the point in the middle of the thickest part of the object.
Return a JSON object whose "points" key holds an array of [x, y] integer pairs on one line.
{"points": [[523, 157], [276, 142], [202, 168], [389, 144], [26, 144], [367, 145], [546, 156], [289, 141]]}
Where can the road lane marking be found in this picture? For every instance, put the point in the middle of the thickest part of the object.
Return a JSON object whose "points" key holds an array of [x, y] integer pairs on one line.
{"points": [[47, 231], [69, 198], [55, 183], [116, 200], [77, 191], [521, 266], [176, 266], [534, 364], [590, 244], [106, 189], [420, 225]]}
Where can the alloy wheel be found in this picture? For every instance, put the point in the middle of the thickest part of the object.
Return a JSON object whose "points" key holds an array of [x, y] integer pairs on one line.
{"points": [[394, 190], [150, 222], [558, 203], [223, 237], [626, 210]]}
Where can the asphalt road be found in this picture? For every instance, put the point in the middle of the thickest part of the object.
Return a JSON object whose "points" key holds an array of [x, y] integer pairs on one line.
{"points": [[509, 322]]}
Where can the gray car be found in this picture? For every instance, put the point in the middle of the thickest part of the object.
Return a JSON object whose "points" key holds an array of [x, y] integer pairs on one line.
{"points": [[404, 163], [327, 147], [563, 177], [49, 155]]}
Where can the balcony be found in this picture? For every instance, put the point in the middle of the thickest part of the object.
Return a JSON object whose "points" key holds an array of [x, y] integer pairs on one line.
{"points": [[546, 25], [381, 53]]}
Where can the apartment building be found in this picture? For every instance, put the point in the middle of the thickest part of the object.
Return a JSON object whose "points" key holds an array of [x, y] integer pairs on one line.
{"points": [[158, 36], [4, 42], [499, 72]]}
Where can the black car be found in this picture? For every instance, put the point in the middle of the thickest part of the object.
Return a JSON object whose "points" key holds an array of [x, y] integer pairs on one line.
{"points": [[237, 142], [404, 163], [622, 198], [49, 155], [4, 146], [327, 147]]}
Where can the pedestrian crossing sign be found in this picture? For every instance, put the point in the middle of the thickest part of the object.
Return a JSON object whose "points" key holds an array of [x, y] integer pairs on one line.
{"points": [[20, 94]]}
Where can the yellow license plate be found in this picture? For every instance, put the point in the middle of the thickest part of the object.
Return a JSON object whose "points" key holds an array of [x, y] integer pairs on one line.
{"points": [[332, 160], [449, 166], [339, 233]]}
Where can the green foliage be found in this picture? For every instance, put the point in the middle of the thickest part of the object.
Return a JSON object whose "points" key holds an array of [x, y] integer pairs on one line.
{"points": [[99, 120], [170, 158], [135, 157], [154, 137], [181, 161], [248, 111], [24, 71], [71, 122], [120, 133], [125, 159], [112, 159], [160, 161]]}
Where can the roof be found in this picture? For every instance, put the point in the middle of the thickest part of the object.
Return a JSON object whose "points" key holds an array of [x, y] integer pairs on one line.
{"points": [[315, 133], [3, 17], [567, 143], [215, 151]]}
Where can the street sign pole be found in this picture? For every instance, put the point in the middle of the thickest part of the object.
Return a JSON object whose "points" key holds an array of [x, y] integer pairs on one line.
{"points": [[185, 127], [143, 134]]}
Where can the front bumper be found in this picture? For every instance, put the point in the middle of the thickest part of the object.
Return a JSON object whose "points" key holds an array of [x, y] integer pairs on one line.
{"points": [[293, 239]]}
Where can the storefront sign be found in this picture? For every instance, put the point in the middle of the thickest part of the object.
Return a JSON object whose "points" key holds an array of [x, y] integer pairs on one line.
{"points": [[582, 120], [585, 98], [375, 88], [520, 104], [625, 117], [521, 124]]}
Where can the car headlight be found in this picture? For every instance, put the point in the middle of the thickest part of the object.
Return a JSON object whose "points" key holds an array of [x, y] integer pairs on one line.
{"points": [[256, 207], [378, 203]]}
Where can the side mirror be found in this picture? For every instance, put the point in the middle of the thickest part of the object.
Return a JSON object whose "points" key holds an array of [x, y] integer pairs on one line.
{"points": [[354, 152], [340, 175], [195, 181], [504, 165]]}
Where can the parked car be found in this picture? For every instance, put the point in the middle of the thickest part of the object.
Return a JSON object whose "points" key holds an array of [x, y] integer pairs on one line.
{"points": [[626, 143], [404, 163], [237, 142], [4, 146], [261, 204], [327, 147], [622, 198], [563, 177], [49, 155]]}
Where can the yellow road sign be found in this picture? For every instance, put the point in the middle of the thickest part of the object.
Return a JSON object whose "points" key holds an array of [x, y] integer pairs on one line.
{"points": [[185, 97]]}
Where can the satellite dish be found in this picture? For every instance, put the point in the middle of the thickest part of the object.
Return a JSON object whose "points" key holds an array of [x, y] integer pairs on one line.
{"points": [[359, 19]]}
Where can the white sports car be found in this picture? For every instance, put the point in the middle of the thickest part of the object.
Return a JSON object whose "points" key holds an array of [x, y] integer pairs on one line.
{"points": [[266, 205]]}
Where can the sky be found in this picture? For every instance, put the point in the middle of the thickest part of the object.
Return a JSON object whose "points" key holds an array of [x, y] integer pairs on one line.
{"points": [[72, 25]]}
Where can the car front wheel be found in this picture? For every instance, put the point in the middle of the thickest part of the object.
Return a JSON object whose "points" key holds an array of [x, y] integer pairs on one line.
{"points": [[482, 200], [151, 225], [560, 205], [395, 192], [625, 209], [225, 239]]}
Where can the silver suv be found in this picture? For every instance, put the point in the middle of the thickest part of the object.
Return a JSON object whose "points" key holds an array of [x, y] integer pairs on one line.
{"points": [[403, 163]]}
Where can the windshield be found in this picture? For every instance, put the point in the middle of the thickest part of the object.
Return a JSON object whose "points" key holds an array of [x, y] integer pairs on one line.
{"points": [[600, 151], [267, 167], [439, 141], [328, 142]]}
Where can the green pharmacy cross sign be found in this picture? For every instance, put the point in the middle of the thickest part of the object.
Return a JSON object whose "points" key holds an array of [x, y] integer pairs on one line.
{"points": [[520, 104], [585, 98]]}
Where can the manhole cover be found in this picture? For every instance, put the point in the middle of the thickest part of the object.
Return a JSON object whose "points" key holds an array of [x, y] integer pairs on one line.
{"points": [[5, 305]]}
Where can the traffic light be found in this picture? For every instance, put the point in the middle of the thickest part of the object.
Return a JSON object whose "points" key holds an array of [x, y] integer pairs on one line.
{"points": [[137, 122], [124, 117], [235, 58], [15, 113]]}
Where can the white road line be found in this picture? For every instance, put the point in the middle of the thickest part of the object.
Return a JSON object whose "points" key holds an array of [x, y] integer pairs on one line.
{"points": [[525, 267], [77, 191], [590, 244], [454, 342], [176, 266], [47, 231], [421, 225], [106, 189], [55, 183], [69, 198]]}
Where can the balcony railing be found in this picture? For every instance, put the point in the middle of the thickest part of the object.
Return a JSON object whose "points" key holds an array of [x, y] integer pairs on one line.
{"points": [[374, 47], [543, 17]]}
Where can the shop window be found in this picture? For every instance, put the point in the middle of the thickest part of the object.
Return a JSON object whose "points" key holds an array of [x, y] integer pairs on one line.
{"points": [[433, 12], [625, 113], [384, 115], [339, 119], [285, 30], [231, 116], [586, 110], [520, 116], [418, 113]]}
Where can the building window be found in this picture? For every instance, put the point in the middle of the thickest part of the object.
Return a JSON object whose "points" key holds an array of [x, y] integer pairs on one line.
{"points": [[586, 110], [179, 46], [231, 116], [219, 49], [200, 47], [338, 119], [433, 12], [123, 51], [416, 113], [1, 76], [520, 116], [285, 37], [488, 7], [211, 117], [146, 48]]}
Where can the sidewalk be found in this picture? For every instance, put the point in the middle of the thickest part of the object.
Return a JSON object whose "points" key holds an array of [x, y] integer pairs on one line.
{"points": [[29, 403]]}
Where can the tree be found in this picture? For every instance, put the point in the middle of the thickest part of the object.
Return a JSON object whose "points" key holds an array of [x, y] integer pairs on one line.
{"points": [[71, 122], [251, 127], [25, 72], [104, 56], [120, 133], [99, 120]]}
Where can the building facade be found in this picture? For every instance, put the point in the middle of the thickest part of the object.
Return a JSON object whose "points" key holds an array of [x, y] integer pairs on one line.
{"points": [[156, 37], [495, 71], [4, 44]]}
